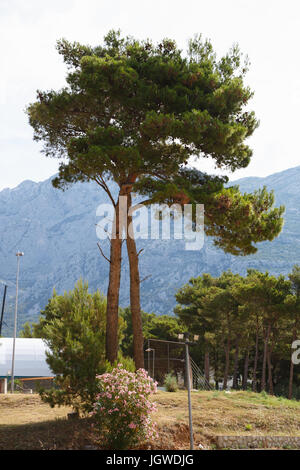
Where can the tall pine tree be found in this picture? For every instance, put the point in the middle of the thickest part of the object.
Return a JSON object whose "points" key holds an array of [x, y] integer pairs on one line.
{"points": [[135, 112]]}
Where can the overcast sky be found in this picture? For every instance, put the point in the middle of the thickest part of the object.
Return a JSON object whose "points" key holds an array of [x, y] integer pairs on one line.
{"points": [[267, 30]]}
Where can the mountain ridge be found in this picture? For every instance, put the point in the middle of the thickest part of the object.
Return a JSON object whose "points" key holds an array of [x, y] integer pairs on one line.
{"points": [[56, 230]]}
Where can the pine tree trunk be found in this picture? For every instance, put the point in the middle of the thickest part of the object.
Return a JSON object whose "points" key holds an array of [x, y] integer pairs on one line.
{"points": [[254, 382], [270, 375], [112, 340], [135, 305], [290, 395], [226, 371], [291, 378], [236, 364], [263, 378], [206, 367], [216, 369], [246, 367]]}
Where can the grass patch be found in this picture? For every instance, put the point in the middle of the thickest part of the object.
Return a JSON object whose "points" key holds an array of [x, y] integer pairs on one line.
{"points": [[264, 399]]}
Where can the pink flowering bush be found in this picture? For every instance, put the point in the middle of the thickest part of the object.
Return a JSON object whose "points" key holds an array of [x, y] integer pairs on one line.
{"points": [[123, 410]]}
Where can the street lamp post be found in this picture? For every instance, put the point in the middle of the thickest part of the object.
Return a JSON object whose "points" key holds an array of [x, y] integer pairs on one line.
{"points": [[187, 342], [18, 255], [148, 351]]}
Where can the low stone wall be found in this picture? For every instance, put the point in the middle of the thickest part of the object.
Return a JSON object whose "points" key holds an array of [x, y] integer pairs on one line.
{"points": [[258, 442]]}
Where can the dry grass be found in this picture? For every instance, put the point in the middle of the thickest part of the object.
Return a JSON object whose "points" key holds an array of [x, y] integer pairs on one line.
{"points": [[24, 409], [219, 413], [27, 423]]}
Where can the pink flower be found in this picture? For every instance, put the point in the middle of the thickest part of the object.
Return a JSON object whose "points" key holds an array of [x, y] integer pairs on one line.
{"points": [[132, 425], [126, 394]]}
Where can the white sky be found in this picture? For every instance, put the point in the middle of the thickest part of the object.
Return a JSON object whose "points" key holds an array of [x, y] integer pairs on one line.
{"points": [[267, 30]]}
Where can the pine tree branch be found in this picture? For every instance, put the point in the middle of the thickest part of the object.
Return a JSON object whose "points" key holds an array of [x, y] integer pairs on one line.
{"points": [[145, 278], [98, 244]]}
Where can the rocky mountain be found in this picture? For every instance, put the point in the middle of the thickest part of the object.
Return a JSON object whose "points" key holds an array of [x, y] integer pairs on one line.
{"points": [[57, 232]]}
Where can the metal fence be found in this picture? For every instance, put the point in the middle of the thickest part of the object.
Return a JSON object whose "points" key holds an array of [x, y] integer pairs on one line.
{"points": [[164, 357]]}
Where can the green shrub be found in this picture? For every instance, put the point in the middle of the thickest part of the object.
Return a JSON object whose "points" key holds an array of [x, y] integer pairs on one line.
{"points": [[126, 363], [73, 326], [171, 383]]}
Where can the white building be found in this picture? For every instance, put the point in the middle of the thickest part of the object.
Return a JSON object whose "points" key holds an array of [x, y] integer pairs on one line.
{"points": [[30, 358]]}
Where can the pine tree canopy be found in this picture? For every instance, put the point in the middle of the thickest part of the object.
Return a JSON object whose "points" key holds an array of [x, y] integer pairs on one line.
{"points": [[136, 112]]}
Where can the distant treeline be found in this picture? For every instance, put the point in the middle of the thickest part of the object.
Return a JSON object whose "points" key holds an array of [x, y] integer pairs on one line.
{"points": [[247, 326]]}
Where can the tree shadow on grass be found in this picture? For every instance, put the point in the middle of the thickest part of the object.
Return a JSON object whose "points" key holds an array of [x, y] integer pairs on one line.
{"points": [[57, 434]]}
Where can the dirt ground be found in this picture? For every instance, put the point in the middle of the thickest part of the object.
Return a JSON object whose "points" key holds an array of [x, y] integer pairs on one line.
{"points": [[28, 423]]}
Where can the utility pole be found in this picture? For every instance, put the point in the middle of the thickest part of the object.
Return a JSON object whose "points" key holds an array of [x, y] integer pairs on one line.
{"points": [[187, 342], [18, 255], [2, 311], [188, 379]]}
